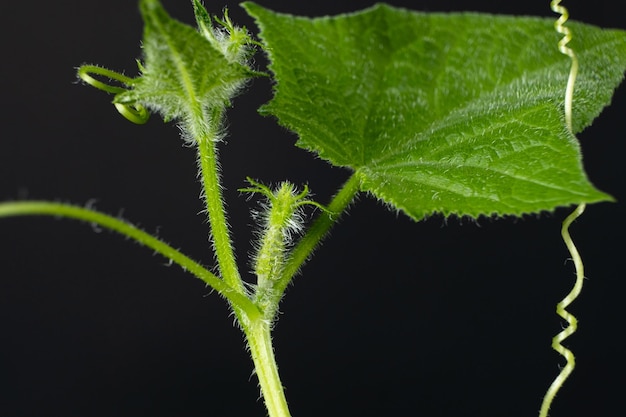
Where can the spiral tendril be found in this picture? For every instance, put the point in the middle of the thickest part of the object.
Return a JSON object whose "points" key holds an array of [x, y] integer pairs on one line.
{"points": [[560, 27], [568, 317], [558, 382], [134, 112]]}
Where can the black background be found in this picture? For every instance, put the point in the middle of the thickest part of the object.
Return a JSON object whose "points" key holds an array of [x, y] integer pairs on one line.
{"points": [[392, 317]]}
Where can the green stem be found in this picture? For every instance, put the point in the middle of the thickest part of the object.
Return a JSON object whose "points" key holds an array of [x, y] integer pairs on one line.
{"points": [[318, 230], [209, 172], [36, 208], [258, 334]]}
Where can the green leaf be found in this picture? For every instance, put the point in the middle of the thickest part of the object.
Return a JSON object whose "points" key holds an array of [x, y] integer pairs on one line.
{"points": [[458, 113], [186, 73]]}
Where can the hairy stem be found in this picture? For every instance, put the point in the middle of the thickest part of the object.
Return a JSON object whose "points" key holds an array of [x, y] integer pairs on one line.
{"points": [[258, 334], [209, 172]]}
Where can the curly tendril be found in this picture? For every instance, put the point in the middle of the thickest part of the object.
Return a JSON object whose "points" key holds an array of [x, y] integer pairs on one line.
{"points": [[134, 112], [558, 382], [560, 27], [568, 317]]}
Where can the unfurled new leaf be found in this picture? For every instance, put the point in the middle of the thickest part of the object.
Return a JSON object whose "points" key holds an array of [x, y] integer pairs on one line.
{"points": [[458, 113], [186, 73]]}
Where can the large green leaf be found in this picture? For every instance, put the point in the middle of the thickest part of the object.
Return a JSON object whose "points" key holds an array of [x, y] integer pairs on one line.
{"points": [[458, 113]]}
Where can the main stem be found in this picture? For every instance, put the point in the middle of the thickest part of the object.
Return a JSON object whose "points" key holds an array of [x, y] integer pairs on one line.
{"points": [[258, 333]]}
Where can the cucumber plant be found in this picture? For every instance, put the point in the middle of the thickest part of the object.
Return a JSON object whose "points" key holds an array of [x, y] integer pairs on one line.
{"points": [[455, 114]]}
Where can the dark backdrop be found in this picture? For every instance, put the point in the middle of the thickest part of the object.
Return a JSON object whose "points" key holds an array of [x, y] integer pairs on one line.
{"points": [[391, 317]]}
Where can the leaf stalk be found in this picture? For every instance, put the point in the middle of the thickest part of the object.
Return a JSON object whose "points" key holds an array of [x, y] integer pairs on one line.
{"points": [[318, 230]]}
